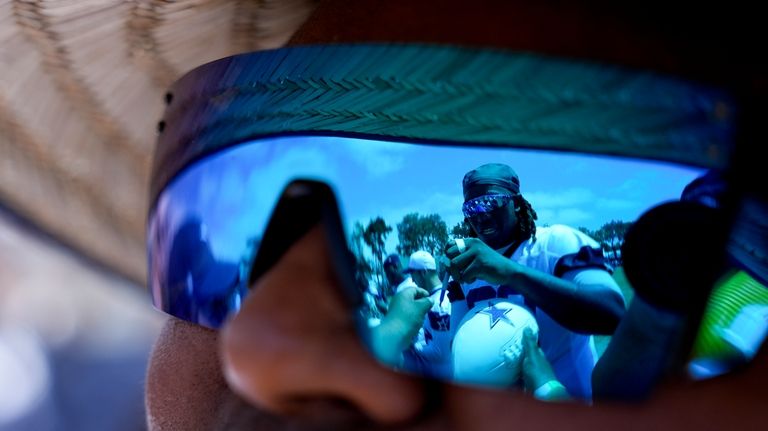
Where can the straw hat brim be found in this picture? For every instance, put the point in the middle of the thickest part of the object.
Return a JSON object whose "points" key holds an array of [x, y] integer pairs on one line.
{"points": [[81, 92]]}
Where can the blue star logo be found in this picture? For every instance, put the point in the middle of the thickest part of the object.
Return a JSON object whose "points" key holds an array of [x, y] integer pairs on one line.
{"points": [[439, 321], [497, 314]]}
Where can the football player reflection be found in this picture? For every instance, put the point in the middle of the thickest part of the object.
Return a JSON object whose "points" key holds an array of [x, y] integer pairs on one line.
{"points": [[553, 279]]}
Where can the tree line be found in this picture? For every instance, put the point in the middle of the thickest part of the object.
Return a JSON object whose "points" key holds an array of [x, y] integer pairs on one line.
{"points": [[430, 232]]}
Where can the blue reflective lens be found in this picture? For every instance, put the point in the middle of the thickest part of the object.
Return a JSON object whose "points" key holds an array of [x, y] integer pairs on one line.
{"points": [[208, 223], [215, 189], [484, 204]]}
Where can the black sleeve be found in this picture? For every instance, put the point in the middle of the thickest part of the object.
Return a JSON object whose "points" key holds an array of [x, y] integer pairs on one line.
{"points": [[586, 257], [455, 293]]}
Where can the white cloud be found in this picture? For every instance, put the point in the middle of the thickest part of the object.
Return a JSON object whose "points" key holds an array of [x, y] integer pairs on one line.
{"points": [[615, 204], [632, 187], [238, 202], [580, 207], [378, 158], [574, 217], [564, 198]]}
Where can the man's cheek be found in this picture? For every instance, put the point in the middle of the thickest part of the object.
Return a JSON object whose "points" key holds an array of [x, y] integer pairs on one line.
{"points": [[184, 383]]}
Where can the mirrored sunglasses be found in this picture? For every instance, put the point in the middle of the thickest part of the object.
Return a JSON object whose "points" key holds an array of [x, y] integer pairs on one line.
{"points": [[254, 149], [485, 204]]}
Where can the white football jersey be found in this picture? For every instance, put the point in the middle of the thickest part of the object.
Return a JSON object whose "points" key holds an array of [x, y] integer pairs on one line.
{"points": [[572, 355]]}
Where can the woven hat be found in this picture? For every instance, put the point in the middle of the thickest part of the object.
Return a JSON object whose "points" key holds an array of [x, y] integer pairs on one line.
{"points": [[83, 85], [81, 93]]}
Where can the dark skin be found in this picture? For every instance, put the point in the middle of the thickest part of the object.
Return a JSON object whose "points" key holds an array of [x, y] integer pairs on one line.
{"points": [[394, 275], [586, 308], [400, 324], [537, 370]]}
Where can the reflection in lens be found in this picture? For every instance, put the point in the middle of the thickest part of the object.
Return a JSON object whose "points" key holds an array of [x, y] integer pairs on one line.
{"points": [[473, 344], [401, 219]]}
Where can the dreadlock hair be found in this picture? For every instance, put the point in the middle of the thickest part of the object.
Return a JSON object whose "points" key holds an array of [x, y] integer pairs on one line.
{"points": [[526, 218]]}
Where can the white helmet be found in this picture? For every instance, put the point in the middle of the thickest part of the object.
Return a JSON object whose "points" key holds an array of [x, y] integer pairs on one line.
{"points": [[488, 346]]}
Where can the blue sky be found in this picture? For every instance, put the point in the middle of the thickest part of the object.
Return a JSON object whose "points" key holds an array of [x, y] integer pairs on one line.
{"points": [[392, 179]]}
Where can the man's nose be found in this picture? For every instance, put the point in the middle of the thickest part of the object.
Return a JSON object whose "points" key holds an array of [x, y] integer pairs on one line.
{"points": [[294, 345]]}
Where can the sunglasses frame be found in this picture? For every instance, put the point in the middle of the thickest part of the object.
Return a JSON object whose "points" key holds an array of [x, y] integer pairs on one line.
{"points": [[434, 93], [464, 208], [440, 93]]}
